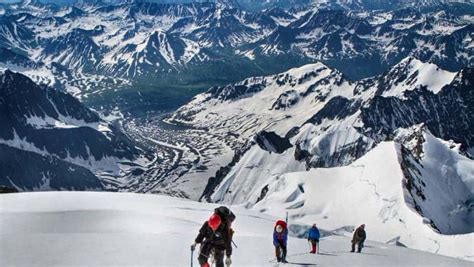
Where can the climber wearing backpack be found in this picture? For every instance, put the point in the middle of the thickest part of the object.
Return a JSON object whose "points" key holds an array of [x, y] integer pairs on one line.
{"points": [[359, 238], [280, 238], [216, 236], [313, 238]]}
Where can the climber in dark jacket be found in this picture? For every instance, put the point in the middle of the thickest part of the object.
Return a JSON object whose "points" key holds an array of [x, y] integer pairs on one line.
{"points": [[359, 238], [313, 238], [214, 235]]}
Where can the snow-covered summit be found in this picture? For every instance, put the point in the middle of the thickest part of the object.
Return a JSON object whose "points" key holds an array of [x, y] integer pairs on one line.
{"points": [[412, 73]]}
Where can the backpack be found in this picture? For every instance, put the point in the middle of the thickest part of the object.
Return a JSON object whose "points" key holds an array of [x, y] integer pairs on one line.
{"points": [[226, 215]]}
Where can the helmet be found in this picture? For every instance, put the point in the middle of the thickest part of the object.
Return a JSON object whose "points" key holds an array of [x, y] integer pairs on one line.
{"points": [[314, 225], [279, 228], [214, 222]]}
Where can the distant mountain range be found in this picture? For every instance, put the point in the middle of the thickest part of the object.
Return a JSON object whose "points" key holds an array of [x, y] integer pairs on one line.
{"points": [[140, 44], [254, 5]]}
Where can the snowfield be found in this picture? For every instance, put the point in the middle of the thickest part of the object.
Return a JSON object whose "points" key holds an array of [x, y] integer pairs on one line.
{"points": [[111, 229]]}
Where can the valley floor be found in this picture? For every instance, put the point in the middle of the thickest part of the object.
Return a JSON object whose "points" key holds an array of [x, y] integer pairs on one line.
{"points": [[186, 157], [100, 229]]}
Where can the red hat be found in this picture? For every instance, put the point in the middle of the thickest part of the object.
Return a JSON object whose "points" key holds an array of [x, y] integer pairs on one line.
{"points": [[214, 222], [281, 223]]}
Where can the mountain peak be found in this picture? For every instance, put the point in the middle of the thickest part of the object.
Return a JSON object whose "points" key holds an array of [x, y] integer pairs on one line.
{"points": [[304, 70], [228, 3], [26, 3], [412, 73]]}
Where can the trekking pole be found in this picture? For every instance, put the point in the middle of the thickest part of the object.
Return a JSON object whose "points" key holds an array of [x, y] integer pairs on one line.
{"points": [[213, 257], [192, 252], [286, 218], [318, 247], [234, 244]]}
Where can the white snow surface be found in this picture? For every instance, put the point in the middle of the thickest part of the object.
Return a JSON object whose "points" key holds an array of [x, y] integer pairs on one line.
{"points": [[250, 172], [115, 229]]}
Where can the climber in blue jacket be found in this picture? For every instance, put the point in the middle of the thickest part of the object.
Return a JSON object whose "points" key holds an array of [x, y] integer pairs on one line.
{"points": [[313, 238]]}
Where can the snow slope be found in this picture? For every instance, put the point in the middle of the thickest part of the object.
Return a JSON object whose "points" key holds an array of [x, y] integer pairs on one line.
{"points": [[369, 190], [374, 189], [421, 74], [99, 229]]}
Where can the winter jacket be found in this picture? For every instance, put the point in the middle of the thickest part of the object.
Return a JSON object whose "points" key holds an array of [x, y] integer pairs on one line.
{"points": [[280, 238], [359, 235], [313, 234], [221, 239]]}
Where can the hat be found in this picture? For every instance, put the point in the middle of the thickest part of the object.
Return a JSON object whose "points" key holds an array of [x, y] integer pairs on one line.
{"points": [[214, 222]]}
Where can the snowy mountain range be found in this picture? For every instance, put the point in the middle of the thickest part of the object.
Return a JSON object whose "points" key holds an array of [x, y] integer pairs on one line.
{"points": [[163, 45], [253, 5]]}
